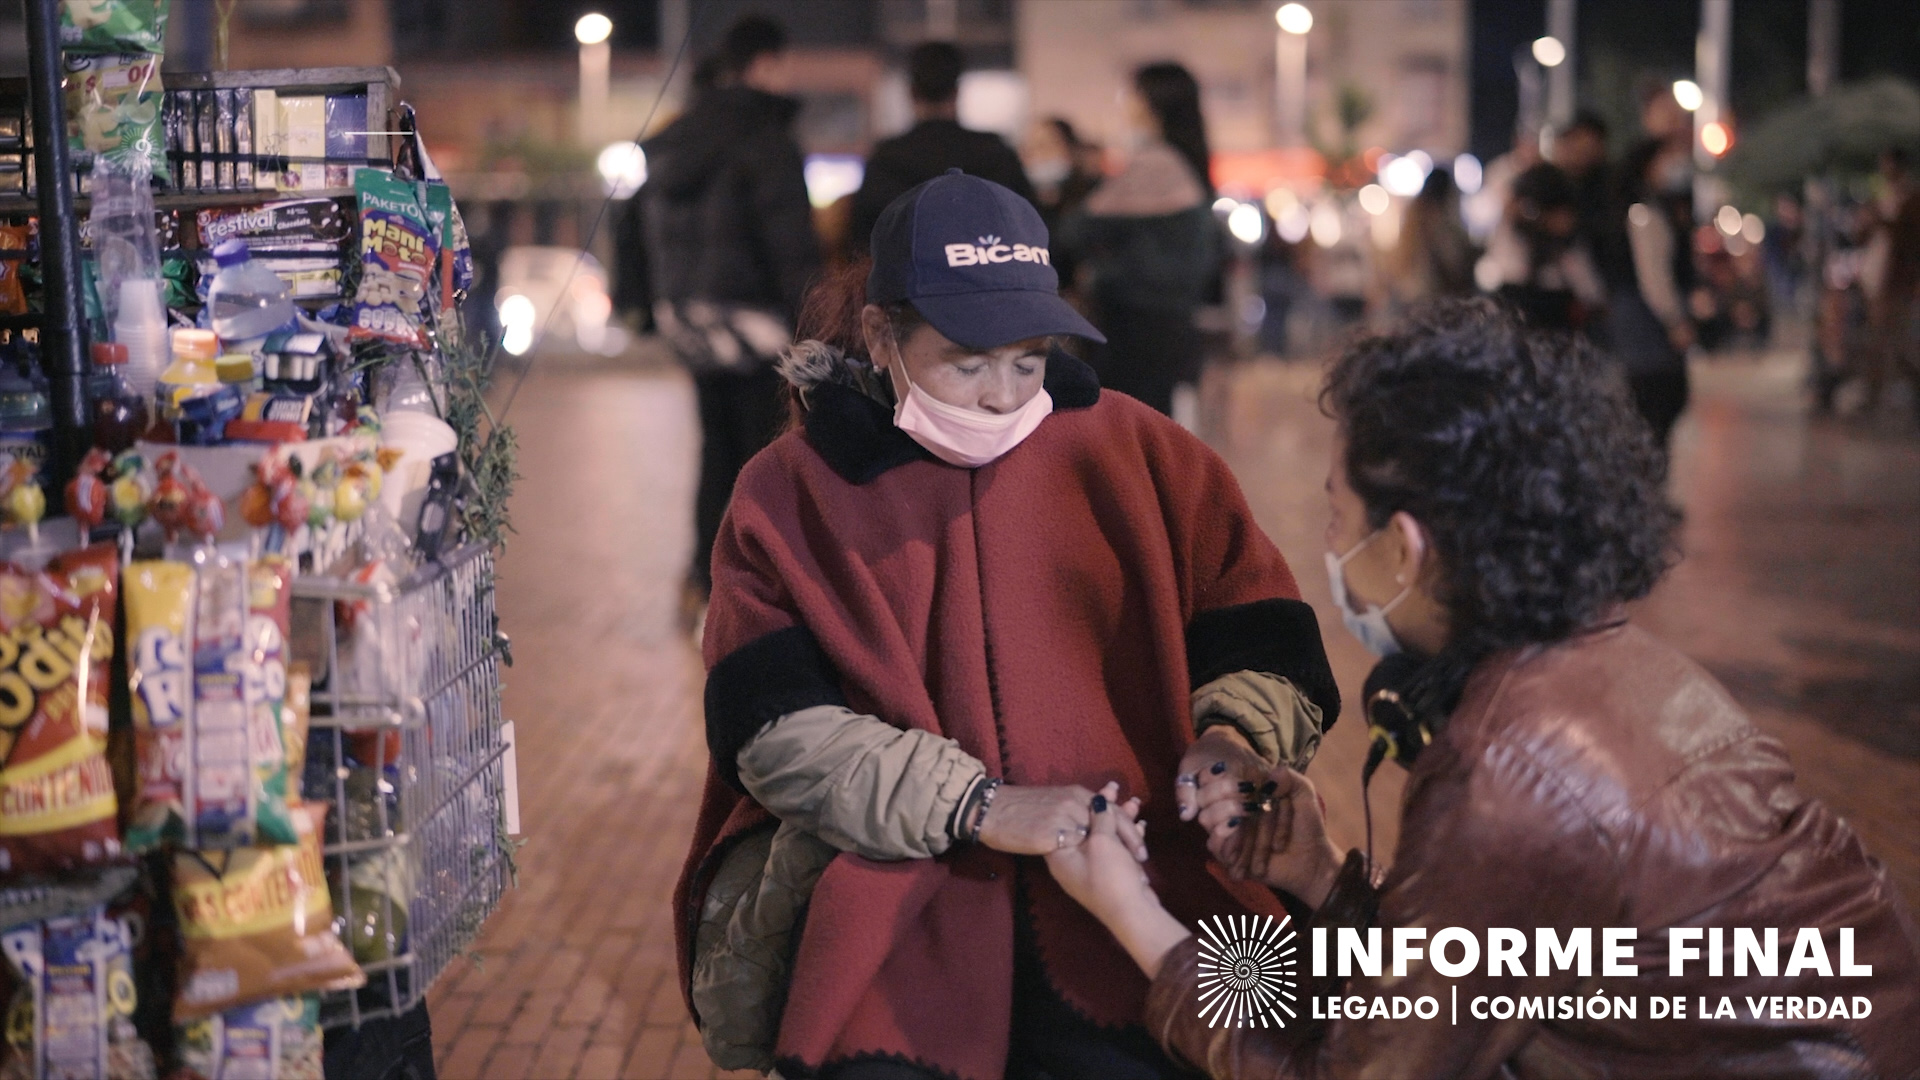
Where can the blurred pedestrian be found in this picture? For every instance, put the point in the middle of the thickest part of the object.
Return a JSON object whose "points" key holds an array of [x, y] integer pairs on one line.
{"points": [[731, 246], [1536, 261], [1149, 242], [1898, 249], [934, 144], [1648, 326], [1434, 257], [1057, 164], [1580, 150]]}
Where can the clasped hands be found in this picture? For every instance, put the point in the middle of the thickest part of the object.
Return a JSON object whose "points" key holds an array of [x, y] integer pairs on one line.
{"points": [[1263, 823]]}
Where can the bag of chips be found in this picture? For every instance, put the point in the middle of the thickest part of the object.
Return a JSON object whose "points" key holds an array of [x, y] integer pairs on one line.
{"points": [[257, 923], [113, 26], [113, 111], [397, 249], [13, 297], [277, 1039], [57, 806], [208, 682], [71, 1013]]}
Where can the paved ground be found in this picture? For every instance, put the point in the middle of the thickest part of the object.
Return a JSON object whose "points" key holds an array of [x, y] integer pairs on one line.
{"points": [[1801, 589]]}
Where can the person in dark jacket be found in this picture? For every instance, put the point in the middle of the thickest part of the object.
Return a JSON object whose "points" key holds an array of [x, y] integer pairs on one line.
{"points": [[1149, 243], [934, 144], [731, 249], [1494, 506]]}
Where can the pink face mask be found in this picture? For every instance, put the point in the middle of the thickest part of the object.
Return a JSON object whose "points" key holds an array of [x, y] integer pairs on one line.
{"points": [[965, 437]]}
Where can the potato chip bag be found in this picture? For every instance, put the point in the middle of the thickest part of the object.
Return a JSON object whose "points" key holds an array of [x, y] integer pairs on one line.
{"points": [[113, 26], [397, 251], [257, 923], [208, 682], [113, 111], [13, 296], [276, 1039], [71, 1013], [57, 806]]}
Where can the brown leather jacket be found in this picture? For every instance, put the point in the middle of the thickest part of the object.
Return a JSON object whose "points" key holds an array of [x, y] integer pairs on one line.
{"points": [[1603, 782]]}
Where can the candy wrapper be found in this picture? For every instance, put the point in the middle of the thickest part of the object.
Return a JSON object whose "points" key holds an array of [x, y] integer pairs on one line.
{"points": [[208, 681], [57, 808], [397, 249], [71, 1013], [13, 297], [113, 26], [113, 110], [277, 1039], [257, 923]]}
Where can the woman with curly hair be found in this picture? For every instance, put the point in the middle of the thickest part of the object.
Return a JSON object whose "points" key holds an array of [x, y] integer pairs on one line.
{"points": [[1495, 504]]}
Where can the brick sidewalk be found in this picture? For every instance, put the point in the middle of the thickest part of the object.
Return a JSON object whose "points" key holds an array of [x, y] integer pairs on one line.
{"points": [[578, 975]]}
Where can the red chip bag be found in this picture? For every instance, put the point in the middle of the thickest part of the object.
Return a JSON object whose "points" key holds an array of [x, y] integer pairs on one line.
{"points": [[57, 808]]}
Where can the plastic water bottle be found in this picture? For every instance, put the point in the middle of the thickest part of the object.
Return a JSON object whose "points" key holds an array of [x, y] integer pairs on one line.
{"points": [[248, 300]]}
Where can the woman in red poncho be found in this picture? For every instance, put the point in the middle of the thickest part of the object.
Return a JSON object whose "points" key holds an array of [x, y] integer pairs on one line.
{"points": [[968, 592]]}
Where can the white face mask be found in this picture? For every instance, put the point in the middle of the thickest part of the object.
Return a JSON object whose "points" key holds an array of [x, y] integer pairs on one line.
{"points": [[1370, 626], [964, 437]]}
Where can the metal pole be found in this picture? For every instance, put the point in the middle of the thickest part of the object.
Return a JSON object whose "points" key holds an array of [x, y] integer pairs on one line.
{"points": [[1563, 24], [63, 334], [1712, 53], [1290, 63], [1823, 45]]}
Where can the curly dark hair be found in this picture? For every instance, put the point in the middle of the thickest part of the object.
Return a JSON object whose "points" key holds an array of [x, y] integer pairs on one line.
{"points": [[1521, 455]]}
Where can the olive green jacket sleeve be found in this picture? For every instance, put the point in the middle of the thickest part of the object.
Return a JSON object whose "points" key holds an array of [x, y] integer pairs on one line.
{"points": [[858, 782], [1283, 726]]}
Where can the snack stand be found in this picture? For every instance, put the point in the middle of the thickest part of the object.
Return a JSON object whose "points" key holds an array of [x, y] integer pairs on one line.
{"points": [[333, 482]]}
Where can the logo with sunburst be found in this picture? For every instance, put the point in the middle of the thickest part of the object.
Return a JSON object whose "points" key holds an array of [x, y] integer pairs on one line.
{"points": [[1247, 971]]}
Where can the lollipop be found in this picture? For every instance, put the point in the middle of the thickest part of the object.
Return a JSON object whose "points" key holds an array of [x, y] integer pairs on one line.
{"points": [[26, 505], [206, 515], [87, 492], [168, 503], [132, 484]]}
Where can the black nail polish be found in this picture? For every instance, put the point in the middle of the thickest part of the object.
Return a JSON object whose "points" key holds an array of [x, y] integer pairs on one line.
{"points": [[1233, 823], [1269, 787], [1246, 788], [1099, 804], [1218, 768], [1250, 807]]}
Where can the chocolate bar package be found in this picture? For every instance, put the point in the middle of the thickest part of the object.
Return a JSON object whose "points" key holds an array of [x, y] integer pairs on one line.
{"points": [[207, 113], [346, 138], [242, 139], [284, 223]]}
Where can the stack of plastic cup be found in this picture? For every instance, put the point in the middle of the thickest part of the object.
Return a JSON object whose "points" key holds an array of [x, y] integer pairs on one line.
{"points": [[141, 325]]}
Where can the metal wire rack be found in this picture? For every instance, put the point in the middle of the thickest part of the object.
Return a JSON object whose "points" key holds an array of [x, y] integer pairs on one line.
{"points": [[407, 750]]}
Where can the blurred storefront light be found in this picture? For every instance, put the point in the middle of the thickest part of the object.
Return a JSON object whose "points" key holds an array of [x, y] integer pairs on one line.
{"points": [[1374, 199], [1549, 51], [1294, 18], [1716, 138], [1224, 205], [1403, 176], [1325, 224], [1688, 94], [831, 177], [623, 169], [1467, 174], [1246, 224], [1728, 221], [1752, 229], [517, 317], [1293, 225]]}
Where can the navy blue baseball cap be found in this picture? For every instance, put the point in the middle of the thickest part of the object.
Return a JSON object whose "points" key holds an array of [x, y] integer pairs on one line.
{"points": [[972, 258]]}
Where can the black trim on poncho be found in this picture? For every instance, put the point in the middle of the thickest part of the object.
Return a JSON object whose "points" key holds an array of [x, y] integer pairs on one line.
{"points": [[760, 682], [1280, 637]]}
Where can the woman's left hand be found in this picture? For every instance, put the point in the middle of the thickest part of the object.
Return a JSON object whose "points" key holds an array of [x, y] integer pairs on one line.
{"points": [[1103, 871], [1220, 769]]}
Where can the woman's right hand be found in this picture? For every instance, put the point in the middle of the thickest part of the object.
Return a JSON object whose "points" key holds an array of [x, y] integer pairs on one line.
{"points": [[1039, 820]]}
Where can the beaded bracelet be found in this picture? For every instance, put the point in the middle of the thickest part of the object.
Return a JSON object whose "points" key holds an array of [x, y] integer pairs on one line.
{"points": [[987, 791]]}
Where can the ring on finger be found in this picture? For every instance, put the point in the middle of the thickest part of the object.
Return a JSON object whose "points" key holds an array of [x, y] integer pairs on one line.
{"points": [[1060, 840]]}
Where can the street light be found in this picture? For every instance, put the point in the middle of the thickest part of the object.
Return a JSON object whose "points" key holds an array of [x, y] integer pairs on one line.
{"points": [[596, 61], [593, 28], [1290, 72], [1688, 94], [1549, 51]]}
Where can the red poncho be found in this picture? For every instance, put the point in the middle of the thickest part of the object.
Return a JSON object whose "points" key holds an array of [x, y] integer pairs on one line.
{"points": [[1051, 612]]}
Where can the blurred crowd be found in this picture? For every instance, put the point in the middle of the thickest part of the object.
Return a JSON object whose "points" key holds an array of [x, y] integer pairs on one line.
{"points": [[1599, 233]]}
